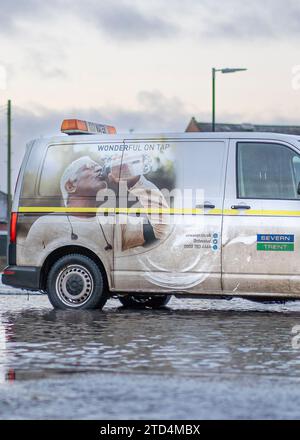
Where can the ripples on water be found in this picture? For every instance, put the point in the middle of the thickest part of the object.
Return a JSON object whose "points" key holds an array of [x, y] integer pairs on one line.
{"points": [[189, 338]]}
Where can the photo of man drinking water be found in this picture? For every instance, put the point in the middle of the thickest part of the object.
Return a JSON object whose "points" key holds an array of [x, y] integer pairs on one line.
{"points": [[85, 183]]}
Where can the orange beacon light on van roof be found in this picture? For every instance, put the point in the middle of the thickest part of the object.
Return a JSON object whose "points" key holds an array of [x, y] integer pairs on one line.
{"points": [[77, 126]]}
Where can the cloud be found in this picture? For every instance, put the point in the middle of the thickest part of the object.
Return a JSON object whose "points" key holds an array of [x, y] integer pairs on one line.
{"points": [[154, 112], [45, 63], [123, 20], [119, 19], [130, 20], [12, 11], [250, 21], [161, 112]]}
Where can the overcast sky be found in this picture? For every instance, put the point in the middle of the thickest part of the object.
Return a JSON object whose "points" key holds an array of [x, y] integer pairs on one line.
{"points": [[145, 65]]}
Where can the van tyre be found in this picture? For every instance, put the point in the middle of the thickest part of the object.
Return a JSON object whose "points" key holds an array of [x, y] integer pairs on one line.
{"points": [[76, 282], [144, 301]]}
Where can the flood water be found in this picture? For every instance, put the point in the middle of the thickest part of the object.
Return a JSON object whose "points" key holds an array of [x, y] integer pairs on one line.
{"points": [[194, 359]]}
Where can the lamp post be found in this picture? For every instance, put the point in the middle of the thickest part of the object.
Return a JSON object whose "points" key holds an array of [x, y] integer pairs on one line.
{"points": [[214, 70]]}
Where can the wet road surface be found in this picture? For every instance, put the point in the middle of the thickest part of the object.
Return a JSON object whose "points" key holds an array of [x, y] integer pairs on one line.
{"points": [[194, 359]]}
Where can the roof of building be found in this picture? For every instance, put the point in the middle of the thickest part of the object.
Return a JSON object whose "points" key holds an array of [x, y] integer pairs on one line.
{"points": [[207, 127]]}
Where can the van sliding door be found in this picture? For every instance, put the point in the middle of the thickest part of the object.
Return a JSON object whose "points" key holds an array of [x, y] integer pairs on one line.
{"points": [[170, 216]]}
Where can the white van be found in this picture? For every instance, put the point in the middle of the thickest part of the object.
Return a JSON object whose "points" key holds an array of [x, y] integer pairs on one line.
{"points": [[143, 217]]}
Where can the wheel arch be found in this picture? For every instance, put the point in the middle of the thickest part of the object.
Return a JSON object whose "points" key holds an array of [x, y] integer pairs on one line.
{"points": [[66, 250]]}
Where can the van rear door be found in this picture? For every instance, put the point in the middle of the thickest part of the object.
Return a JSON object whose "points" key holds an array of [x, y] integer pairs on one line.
{"points": [[261, 229], [184, 254]]}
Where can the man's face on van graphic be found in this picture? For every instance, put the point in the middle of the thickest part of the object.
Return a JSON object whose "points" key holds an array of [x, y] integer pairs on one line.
{"points": [[87, 183]]}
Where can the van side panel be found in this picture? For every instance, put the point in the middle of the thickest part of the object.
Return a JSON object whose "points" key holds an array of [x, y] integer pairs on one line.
{"points": [[65, 200], [184, 180], [150, 210], [261, 239]]}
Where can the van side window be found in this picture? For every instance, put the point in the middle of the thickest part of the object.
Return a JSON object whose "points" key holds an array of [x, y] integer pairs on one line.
{"points": [[267, 171], [202, 165]]}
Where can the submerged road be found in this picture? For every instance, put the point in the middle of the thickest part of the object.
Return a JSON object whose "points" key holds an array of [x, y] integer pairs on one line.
{"points": [[194, 359]]}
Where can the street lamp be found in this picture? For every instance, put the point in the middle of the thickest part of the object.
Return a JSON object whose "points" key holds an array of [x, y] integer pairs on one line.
{"points": [[214, 70]]}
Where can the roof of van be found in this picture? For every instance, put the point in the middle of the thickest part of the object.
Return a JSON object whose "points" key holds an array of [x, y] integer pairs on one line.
{"points": [[162, 137]]}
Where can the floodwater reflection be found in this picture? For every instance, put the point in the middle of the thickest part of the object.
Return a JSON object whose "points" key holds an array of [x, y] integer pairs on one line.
{"points": [[189, 338]]}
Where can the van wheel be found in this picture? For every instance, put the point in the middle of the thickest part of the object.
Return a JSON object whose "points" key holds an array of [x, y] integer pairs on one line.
{"points": [[76, 282], [144, 301]]}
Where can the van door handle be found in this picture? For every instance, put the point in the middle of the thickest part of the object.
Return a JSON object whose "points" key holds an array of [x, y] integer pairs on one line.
{"points": [[206, 206], [241, 207]]}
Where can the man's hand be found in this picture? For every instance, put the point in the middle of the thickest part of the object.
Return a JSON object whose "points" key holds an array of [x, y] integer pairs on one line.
{"points": [[130, 182]]}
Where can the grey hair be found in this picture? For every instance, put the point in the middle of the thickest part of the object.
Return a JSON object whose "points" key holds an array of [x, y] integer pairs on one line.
{"points": [[71, 173]]}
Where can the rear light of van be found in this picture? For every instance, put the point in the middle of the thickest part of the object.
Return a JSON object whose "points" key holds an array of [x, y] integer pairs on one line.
{"points": [[9, 272], [13, 227]]}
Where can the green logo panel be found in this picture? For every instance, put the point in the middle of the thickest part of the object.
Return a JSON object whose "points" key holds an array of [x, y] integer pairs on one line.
{"points": [[283, 247]]}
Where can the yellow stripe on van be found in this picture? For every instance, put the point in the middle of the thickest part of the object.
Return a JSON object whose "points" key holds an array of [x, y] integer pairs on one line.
{"points": [[179, 211], [158, 211], [262, 212], [215, 211], [55, 209], [40, 209]]}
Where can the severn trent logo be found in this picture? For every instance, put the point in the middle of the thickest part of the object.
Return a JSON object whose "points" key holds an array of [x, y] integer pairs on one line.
{"points": [[275, 242]]}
